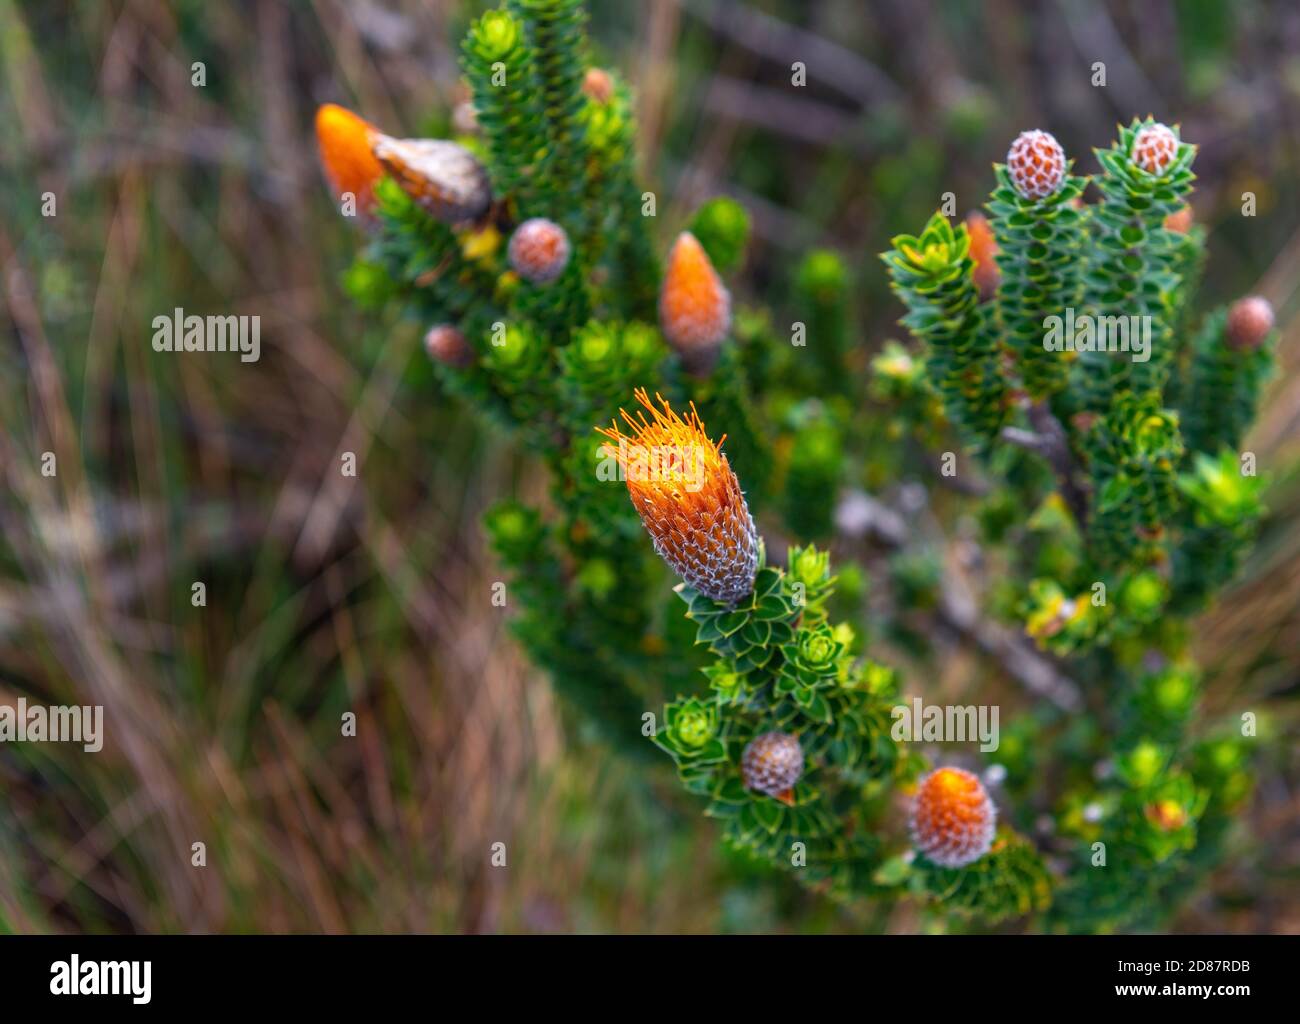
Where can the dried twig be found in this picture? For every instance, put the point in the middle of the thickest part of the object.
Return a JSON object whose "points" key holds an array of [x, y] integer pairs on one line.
{"points": [[861, 515]]}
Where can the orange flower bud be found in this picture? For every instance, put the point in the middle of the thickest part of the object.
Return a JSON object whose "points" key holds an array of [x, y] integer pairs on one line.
{"points": [[953, 819], [694, 306], [539, 250], [1249, 322], [1181, 220], [445, 344], [1166, 815], [983, 250], [1154, 148], [344, 140], [1036, 164], [598, 85]]}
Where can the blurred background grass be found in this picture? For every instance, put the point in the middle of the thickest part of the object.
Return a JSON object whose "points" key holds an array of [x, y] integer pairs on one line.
{"points": [[328, 593]]}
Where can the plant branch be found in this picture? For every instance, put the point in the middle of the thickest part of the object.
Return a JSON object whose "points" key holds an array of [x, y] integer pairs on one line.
{"points": [[862, 515], [1048, 440]]}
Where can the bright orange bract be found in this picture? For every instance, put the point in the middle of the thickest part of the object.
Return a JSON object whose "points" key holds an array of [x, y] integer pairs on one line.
{"points": [[984, 251], [350, 166], [694, 305]]}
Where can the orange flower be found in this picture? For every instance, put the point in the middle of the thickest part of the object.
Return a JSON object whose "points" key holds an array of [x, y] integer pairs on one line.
{"points": [[694, 306], [688, 498], [344, 141], [983, 250], [953, 819]]}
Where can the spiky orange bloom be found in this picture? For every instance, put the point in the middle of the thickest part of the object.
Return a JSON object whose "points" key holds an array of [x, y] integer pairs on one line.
{"points": [[694, 306], [688, 497], [983, 250], [344, 140], [953, 819]]}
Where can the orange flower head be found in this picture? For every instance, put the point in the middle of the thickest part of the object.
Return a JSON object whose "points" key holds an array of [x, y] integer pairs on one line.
{"points": [[1036, 164], [444, 178], [983, 250], [344, 140], [539, 250], [772, 763], [1250, 320], [694, 306], [953, 819], [1154, 148], [688, 497]]}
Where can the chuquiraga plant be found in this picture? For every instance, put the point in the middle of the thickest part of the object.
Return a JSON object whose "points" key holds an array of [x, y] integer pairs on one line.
{"points": [[1128, 447], [524, 251]]}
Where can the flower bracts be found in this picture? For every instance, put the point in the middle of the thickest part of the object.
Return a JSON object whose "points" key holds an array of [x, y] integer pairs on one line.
{"points": [[688, 498]]}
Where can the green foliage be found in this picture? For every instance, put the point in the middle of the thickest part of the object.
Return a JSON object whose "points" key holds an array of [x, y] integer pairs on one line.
{"points": [[821, 294], [557, 36], [812, 480], [1134, 264], [932, 274], [1223, 389], [722, 226], [498, 65], [1010, 881], [1224, 510], [1104, 528], [1042, 245], [1133, 455]]}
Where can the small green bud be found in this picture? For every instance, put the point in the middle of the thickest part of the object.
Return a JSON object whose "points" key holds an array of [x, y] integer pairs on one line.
{"points": [[809, 566], [722, 227], [693, 723], [495, 35], [823, 275]]}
